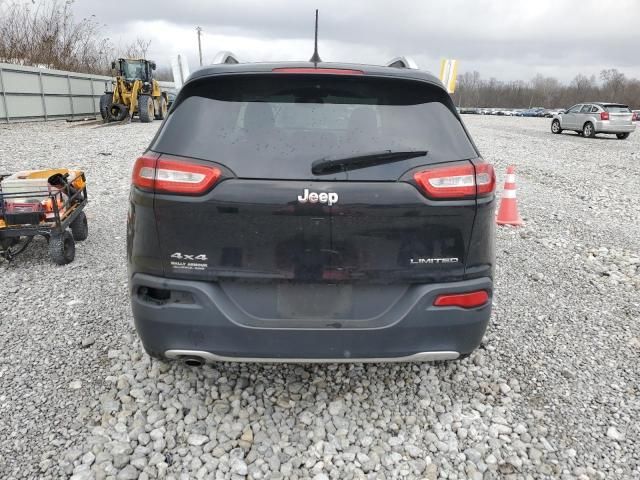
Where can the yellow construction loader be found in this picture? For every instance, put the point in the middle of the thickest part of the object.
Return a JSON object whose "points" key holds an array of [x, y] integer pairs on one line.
{"points": [[135, 92]]}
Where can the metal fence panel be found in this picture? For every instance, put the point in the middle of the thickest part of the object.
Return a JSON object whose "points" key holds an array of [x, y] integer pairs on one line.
{"points": [[58, 107], [100, 86], [83, 106], [80, 86], [55, 85], [17, 82], [28, 93], [3, 111], [27, 105]]}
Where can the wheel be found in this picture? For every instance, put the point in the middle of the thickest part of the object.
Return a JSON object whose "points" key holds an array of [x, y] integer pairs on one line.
{"points": [[622, 136], [105, 100], [588, 130], [62, 248], [161, 108], [146, 112], [117, 112], [555, 126], [80, 228]]}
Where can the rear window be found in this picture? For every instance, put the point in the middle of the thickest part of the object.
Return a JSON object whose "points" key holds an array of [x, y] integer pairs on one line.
{"points": [[276, 125], [617, 109]]}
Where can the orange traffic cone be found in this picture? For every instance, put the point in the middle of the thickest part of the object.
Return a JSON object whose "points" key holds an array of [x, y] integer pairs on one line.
{"points": [[508, 211]]}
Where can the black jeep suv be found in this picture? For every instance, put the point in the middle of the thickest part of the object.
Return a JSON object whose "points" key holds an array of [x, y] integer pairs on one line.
{"points": [[311, 212]]}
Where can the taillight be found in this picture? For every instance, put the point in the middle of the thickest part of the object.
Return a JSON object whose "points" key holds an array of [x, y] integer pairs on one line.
{"points": [[460, 181], [144, 172], [604, 115], [462, 300], [634, 116], [173, 175]]}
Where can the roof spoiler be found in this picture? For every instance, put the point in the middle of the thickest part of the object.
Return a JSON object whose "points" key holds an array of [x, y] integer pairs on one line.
{"points": [[403, 62], [225, 57]]}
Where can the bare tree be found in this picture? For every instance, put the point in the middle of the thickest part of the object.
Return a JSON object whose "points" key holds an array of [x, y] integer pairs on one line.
{"points": [[45, 33], [143, 45], [137, 49], [548, 92], [613, 81], [582, 83]]}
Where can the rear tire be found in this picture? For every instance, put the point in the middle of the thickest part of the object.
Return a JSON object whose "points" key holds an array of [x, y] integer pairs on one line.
{"points": [[117, 112], [105, 101], [146, 112], [555, 126], [80, 228], [161, 110], [588, 130], [622, 136], [62, 248]]}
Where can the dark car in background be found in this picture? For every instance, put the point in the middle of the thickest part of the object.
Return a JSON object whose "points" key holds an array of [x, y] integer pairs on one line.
{"points": [[550, 113], [533, 112], [303, 212]]}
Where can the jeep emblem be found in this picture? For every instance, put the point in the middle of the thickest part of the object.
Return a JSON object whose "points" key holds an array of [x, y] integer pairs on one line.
{"points": [[315, 197]]}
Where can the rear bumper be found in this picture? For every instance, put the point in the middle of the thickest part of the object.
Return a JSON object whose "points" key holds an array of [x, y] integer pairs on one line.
{"points": [[607, 127], [205, 323], [209, 357]]}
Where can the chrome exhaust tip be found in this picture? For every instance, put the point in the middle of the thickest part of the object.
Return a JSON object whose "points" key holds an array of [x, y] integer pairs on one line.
{"points": [[192, 361]]}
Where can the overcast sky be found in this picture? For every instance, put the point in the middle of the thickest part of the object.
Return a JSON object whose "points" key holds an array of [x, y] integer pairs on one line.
{"points": [[506, 39]]}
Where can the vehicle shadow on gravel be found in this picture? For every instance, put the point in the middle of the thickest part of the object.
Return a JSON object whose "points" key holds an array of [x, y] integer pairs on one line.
{"points": [[285, 418], [36, 252], [579, 135]]}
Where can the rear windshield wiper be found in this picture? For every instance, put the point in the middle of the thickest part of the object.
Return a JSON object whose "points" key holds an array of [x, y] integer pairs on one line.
{"points": [[329, 165]]}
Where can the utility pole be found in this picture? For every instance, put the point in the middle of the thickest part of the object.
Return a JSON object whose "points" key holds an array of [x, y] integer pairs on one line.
{"points": [[199, 30]]}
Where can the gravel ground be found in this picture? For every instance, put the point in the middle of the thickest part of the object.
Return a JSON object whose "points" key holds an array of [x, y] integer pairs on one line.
{"points": [[552, 393]]}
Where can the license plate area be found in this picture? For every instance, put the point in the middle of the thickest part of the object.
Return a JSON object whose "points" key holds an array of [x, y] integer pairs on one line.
{"points": [[303, 303], [306, 301]]}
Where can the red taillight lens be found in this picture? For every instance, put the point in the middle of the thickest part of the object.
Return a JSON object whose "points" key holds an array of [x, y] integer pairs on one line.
{"points": [[485, 179], [144, 172], [329, 71], [634, 116], [604, 115], [462, 300], [459, 181], [173, 175]]}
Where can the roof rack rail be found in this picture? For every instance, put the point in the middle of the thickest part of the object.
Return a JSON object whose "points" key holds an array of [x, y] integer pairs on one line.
{"points": [[225, 57], [403, 62]]}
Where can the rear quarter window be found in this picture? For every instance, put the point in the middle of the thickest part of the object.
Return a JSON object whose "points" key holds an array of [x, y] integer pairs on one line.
{"points": [[276, 125], [617, 109]]}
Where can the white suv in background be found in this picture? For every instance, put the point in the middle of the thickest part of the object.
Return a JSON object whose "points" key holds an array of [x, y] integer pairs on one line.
{"points": [[589, 119]]}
